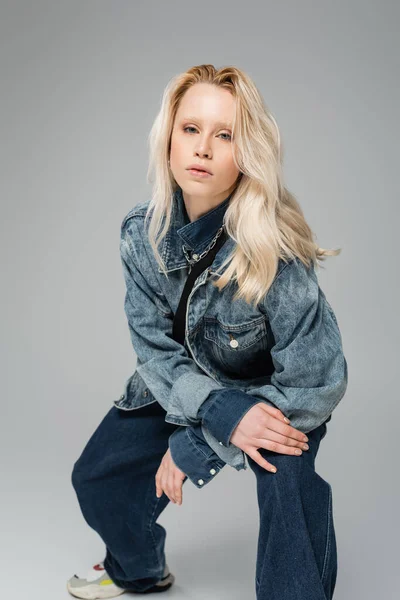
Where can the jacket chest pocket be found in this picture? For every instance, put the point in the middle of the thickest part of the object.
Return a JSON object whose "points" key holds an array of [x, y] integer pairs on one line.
{"points": [[240, 350]]}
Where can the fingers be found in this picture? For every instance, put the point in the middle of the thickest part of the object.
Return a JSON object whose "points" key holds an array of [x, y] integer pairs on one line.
{"points": [[170, 485], [274, 446], [281, 443], [159, 490], [256, 456], [275, 412], [286, 432], [165, 485], [178, 490]]}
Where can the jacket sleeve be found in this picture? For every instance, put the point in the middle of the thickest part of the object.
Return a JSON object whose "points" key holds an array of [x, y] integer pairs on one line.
{"points": [[189, 449], [192, 455], [173, 377], [310, 371]]}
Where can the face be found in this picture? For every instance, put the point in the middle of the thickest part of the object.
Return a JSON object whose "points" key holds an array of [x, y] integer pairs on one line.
{"points": [[202, 134]]}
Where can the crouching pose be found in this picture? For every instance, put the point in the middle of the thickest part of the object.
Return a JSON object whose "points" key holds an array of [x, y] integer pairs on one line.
{"points": [[239, 353]]}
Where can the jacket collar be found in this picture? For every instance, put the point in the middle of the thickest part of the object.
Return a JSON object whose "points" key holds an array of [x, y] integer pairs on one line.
{"points": [[195, 235]]}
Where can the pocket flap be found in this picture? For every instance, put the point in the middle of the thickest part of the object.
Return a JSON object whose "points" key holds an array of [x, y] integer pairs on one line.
{"points": [[235, 337]]}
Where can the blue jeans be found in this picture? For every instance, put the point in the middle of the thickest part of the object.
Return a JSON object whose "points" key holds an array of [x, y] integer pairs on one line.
{"points": [[297, 554], [114, 479]]}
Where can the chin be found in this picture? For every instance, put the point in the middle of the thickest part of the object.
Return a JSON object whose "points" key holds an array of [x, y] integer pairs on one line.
{"points": [[189, 185]]}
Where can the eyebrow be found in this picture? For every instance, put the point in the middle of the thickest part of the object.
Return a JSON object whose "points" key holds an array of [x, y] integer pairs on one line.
{"points": [[218, 124]]}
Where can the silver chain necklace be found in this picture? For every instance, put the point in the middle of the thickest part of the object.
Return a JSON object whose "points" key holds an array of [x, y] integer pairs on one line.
{"points": [[196, 257]]}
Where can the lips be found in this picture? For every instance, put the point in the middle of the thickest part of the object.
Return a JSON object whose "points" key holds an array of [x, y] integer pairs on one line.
{"points": [[200, 168], [199, 174]]}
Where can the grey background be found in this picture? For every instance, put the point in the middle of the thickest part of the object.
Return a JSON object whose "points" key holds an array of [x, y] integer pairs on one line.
{"points": [[81, 84]]}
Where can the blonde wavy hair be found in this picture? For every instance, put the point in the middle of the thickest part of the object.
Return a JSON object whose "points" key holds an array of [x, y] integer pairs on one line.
{"points": [[263, 217]]}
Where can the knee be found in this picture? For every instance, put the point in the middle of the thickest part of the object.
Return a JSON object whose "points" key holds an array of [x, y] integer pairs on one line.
{"points": [[295, 475], [85, 465], [289, 475], [286, 464], [75, 477], [79, 475]]}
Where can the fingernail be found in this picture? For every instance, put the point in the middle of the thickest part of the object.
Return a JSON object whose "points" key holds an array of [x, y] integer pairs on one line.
{"points": [[286, 419]]}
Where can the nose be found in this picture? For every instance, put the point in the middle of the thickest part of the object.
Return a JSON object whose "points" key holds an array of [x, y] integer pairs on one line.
{"points": [[203, 154]]}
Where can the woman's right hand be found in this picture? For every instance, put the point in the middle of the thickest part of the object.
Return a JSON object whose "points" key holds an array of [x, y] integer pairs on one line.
{"points": [[263, 426]]}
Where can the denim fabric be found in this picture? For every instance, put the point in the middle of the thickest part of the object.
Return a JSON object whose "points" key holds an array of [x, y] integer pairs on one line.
{"points": [[286, 351], [188, 446], [114, 479], [296, 551], [223, 410]]}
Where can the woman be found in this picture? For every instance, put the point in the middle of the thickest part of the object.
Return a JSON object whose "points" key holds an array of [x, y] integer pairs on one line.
{"points": [[239, 353]]}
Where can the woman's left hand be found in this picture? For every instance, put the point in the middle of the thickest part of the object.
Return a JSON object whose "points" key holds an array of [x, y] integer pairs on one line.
{"points": [[169, 479]]}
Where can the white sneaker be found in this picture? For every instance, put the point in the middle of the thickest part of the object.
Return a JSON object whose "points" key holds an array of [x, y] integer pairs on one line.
{"points": [[97, 584]]}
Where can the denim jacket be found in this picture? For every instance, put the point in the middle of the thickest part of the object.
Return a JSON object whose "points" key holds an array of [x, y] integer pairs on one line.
{"points": [[286, 351]]}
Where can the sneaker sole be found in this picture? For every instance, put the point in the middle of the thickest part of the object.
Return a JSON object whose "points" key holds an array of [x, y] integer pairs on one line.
{"points": [[161, 586], [92, 592]]}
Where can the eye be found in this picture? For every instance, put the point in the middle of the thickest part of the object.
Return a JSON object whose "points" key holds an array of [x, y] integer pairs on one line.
{"points": [[225, 139]]}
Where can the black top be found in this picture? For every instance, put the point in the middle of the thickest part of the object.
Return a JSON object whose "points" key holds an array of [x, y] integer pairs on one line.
{"points": [[178, 328]]}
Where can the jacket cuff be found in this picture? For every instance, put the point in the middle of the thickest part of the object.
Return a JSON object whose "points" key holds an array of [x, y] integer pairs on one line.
{"points": [[223, 410], [193, 456]]}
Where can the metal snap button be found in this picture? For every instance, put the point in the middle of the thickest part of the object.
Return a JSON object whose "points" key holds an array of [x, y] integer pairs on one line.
{"points": [[145, 393], [195, 256], [234, 343], [200, 482], [213, 471]]}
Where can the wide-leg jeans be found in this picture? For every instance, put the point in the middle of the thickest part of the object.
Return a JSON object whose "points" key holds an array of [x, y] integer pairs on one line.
{"points": [[114, 479]]}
